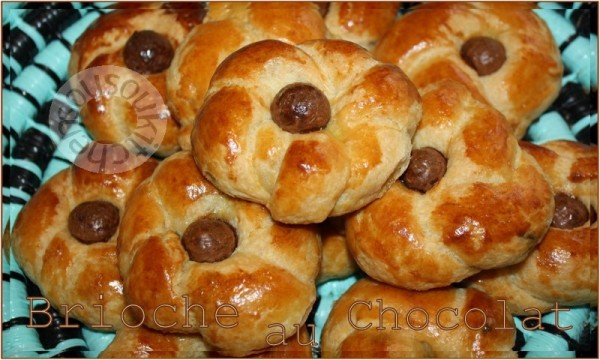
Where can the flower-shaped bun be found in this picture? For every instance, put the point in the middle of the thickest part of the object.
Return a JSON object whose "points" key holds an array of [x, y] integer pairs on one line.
{"points": [[183, 243], [503, 52], [311, 131], [470, 199], [229, 26], [563, 268], [143, 38], [65, 239]]}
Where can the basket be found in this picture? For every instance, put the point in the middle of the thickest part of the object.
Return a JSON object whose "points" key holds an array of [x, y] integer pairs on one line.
{"points": [[36, 48]]}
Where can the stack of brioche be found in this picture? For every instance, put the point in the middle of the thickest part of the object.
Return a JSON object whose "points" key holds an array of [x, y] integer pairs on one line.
{"points": [[306, 142]]}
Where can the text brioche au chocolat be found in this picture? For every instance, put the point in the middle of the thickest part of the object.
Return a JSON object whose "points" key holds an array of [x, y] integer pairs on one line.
{"points": [[142, 37], [504, 53], [320, 123], [65, 240], [475, 202], [226, 256], [374, 320], [563, 268]]}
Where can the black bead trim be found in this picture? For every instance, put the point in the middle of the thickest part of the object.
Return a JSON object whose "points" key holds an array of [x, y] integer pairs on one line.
{"points": [[572, 103], [62, 160], [15, 322], [64, 41], [13, 200], [568, 42], [21, 179], [26, 95], [552, 329], [55, 78], [16, 276]]}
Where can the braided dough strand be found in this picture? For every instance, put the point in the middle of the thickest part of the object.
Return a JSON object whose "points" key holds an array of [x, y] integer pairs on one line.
{"points": [[492, 206], [264, 279]]}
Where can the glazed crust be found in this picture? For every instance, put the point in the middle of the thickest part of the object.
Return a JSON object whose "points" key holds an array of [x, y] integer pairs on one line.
{"points": [[66, 270], [228, 27], [489, 210], [264, 279], [143, 343], [360, 22], [112, 118], [336, 260], [389, 339], [426, 44], [563, 268], [305, 178]]}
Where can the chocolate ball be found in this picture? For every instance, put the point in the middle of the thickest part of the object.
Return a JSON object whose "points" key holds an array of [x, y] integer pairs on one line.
{"points": [[427, 166], [209, 240], [569, 212], [484, 54], [94, 221], [300, 108], [148, 52]]}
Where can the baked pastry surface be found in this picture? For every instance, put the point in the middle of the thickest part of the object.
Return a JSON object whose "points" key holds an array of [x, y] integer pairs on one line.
{"points": [[141, 37], [65, 240], [470, 199], [360, 22], [229, 26], [143, 343], [184, 243], [336, 260], [311, 131], [445, 323], [563, 268], [503, 52]]}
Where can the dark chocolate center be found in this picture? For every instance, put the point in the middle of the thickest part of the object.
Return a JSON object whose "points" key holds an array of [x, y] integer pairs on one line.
{"points": [[148, 52], [300, 108], [94, 221], [427, 166], [209, 240], [569, 212], [484, 54]]}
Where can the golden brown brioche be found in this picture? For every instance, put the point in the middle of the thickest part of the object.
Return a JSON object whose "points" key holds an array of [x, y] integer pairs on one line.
{"points": [[118, 38], [182, 242], [514, 62], [469, 200], [360, 22], [65, 240], [447, 323], [311, 131], [336, 259], [228, 27], [143, 343], [563, 268]]}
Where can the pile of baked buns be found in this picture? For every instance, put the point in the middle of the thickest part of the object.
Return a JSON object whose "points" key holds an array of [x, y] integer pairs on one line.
{"points": [[304, 142]]}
